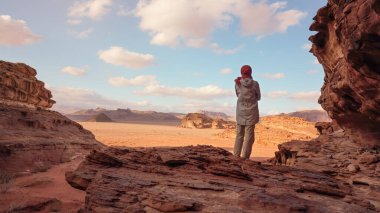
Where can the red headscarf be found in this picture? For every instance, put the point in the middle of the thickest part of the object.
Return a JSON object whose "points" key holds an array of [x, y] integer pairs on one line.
{"points": [[246, 72]]}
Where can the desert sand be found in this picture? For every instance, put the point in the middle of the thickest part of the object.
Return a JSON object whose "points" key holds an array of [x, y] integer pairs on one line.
{"points": [[156, 135], [43, 192]]}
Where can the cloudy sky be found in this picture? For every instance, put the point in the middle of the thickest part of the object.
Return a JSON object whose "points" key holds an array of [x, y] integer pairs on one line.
{"points": [[165, 55]]}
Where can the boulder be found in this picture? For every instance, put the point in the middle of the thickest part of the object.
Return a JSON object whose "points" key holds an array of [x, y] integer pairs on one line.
{"points": [[196, 120], [325, 128], [202, 121]]}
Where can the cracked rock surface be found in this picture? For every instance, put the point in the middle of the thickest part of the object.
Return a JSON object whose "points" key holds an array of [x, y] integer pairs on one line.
{"points": [[205, 179]]}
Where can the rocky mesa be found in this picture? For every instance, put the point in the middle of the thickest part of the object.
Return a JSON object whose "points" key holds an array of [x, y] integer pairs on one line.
{"points": [[202, 121]]}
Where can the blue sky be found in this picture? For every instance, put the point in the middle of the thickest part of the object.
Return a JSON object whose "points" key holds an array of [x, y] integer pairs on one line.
{"points": [[165, 55]]}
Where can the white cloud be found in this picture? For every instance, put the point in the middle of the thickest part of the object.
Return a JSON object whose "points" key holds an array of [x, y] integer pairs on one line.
{"points": [[216, 48], [262, 19], [306, 96], [306, 46], [312, 72], [81, 98], [225, 71], [272, 75], [315, 61], [15, 32], [122, 57], [136, 81], [93, 9], [192, 23], [301, 96], [75, 71], [74, 21], [83, 34], [195, 106], [276, 94], [205, 92]]}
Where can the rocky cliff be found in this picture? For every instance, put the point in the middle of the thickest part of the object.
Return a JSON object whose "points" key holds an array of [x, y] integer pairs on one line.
{"points": [[348, 46], [19, 85], [33, 138]]}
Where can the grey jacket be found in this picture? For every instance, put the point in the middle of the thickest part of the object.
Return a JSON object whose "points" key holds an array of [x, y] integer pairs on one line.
{"points": [[247, 109]]}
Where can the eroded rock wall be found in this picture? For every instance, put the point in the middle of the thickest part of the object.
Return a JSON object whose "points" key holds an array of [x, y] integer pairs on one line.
{"points": [[19, 85], [32, 138], [348, 46]]}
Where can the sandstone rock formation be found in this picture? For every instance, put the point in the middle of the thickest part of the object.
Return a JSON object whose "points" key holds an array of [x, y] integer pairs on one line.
{"points": [[196, 120], [348, 46], [201, 121], [33, 138], [274, 130], [335, 154], [215, 115], [204, 179], [19, 85], [325, 128]]}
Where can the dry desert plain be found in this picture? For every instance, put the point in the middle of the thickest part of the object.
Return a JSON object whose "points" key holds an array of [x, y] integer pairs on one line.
{"points": [[51, 185], [166, 135]]}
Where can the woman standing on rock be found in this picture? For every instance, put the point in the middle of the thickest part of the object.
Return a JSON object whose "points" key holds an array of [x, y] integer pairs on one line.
{"points": [[247, 112]]}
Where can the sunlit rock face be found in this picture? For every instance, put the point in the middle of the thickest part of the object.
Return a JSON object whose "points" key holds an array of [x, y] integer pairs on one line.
{"points": [[348, 47], [19, 85], [33, 138]]}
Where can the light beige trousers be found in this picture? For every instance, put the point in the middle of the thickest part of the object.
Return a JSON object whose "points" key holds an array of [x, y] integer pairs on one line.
{"points": [[245, 137]]}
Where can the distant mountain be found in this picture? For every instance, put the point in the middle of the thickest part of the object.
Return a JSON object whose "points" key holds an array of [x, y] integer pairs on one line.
{"points": [[311, 115], [124, 115], [89, 111], [100, 118], [215, 115]]}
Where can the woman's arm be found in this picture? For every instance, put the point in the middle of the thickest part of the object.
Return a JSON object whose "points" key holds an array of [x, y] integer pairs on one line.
{"points": [[258, 93], [236, 90], [237, 84]]}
